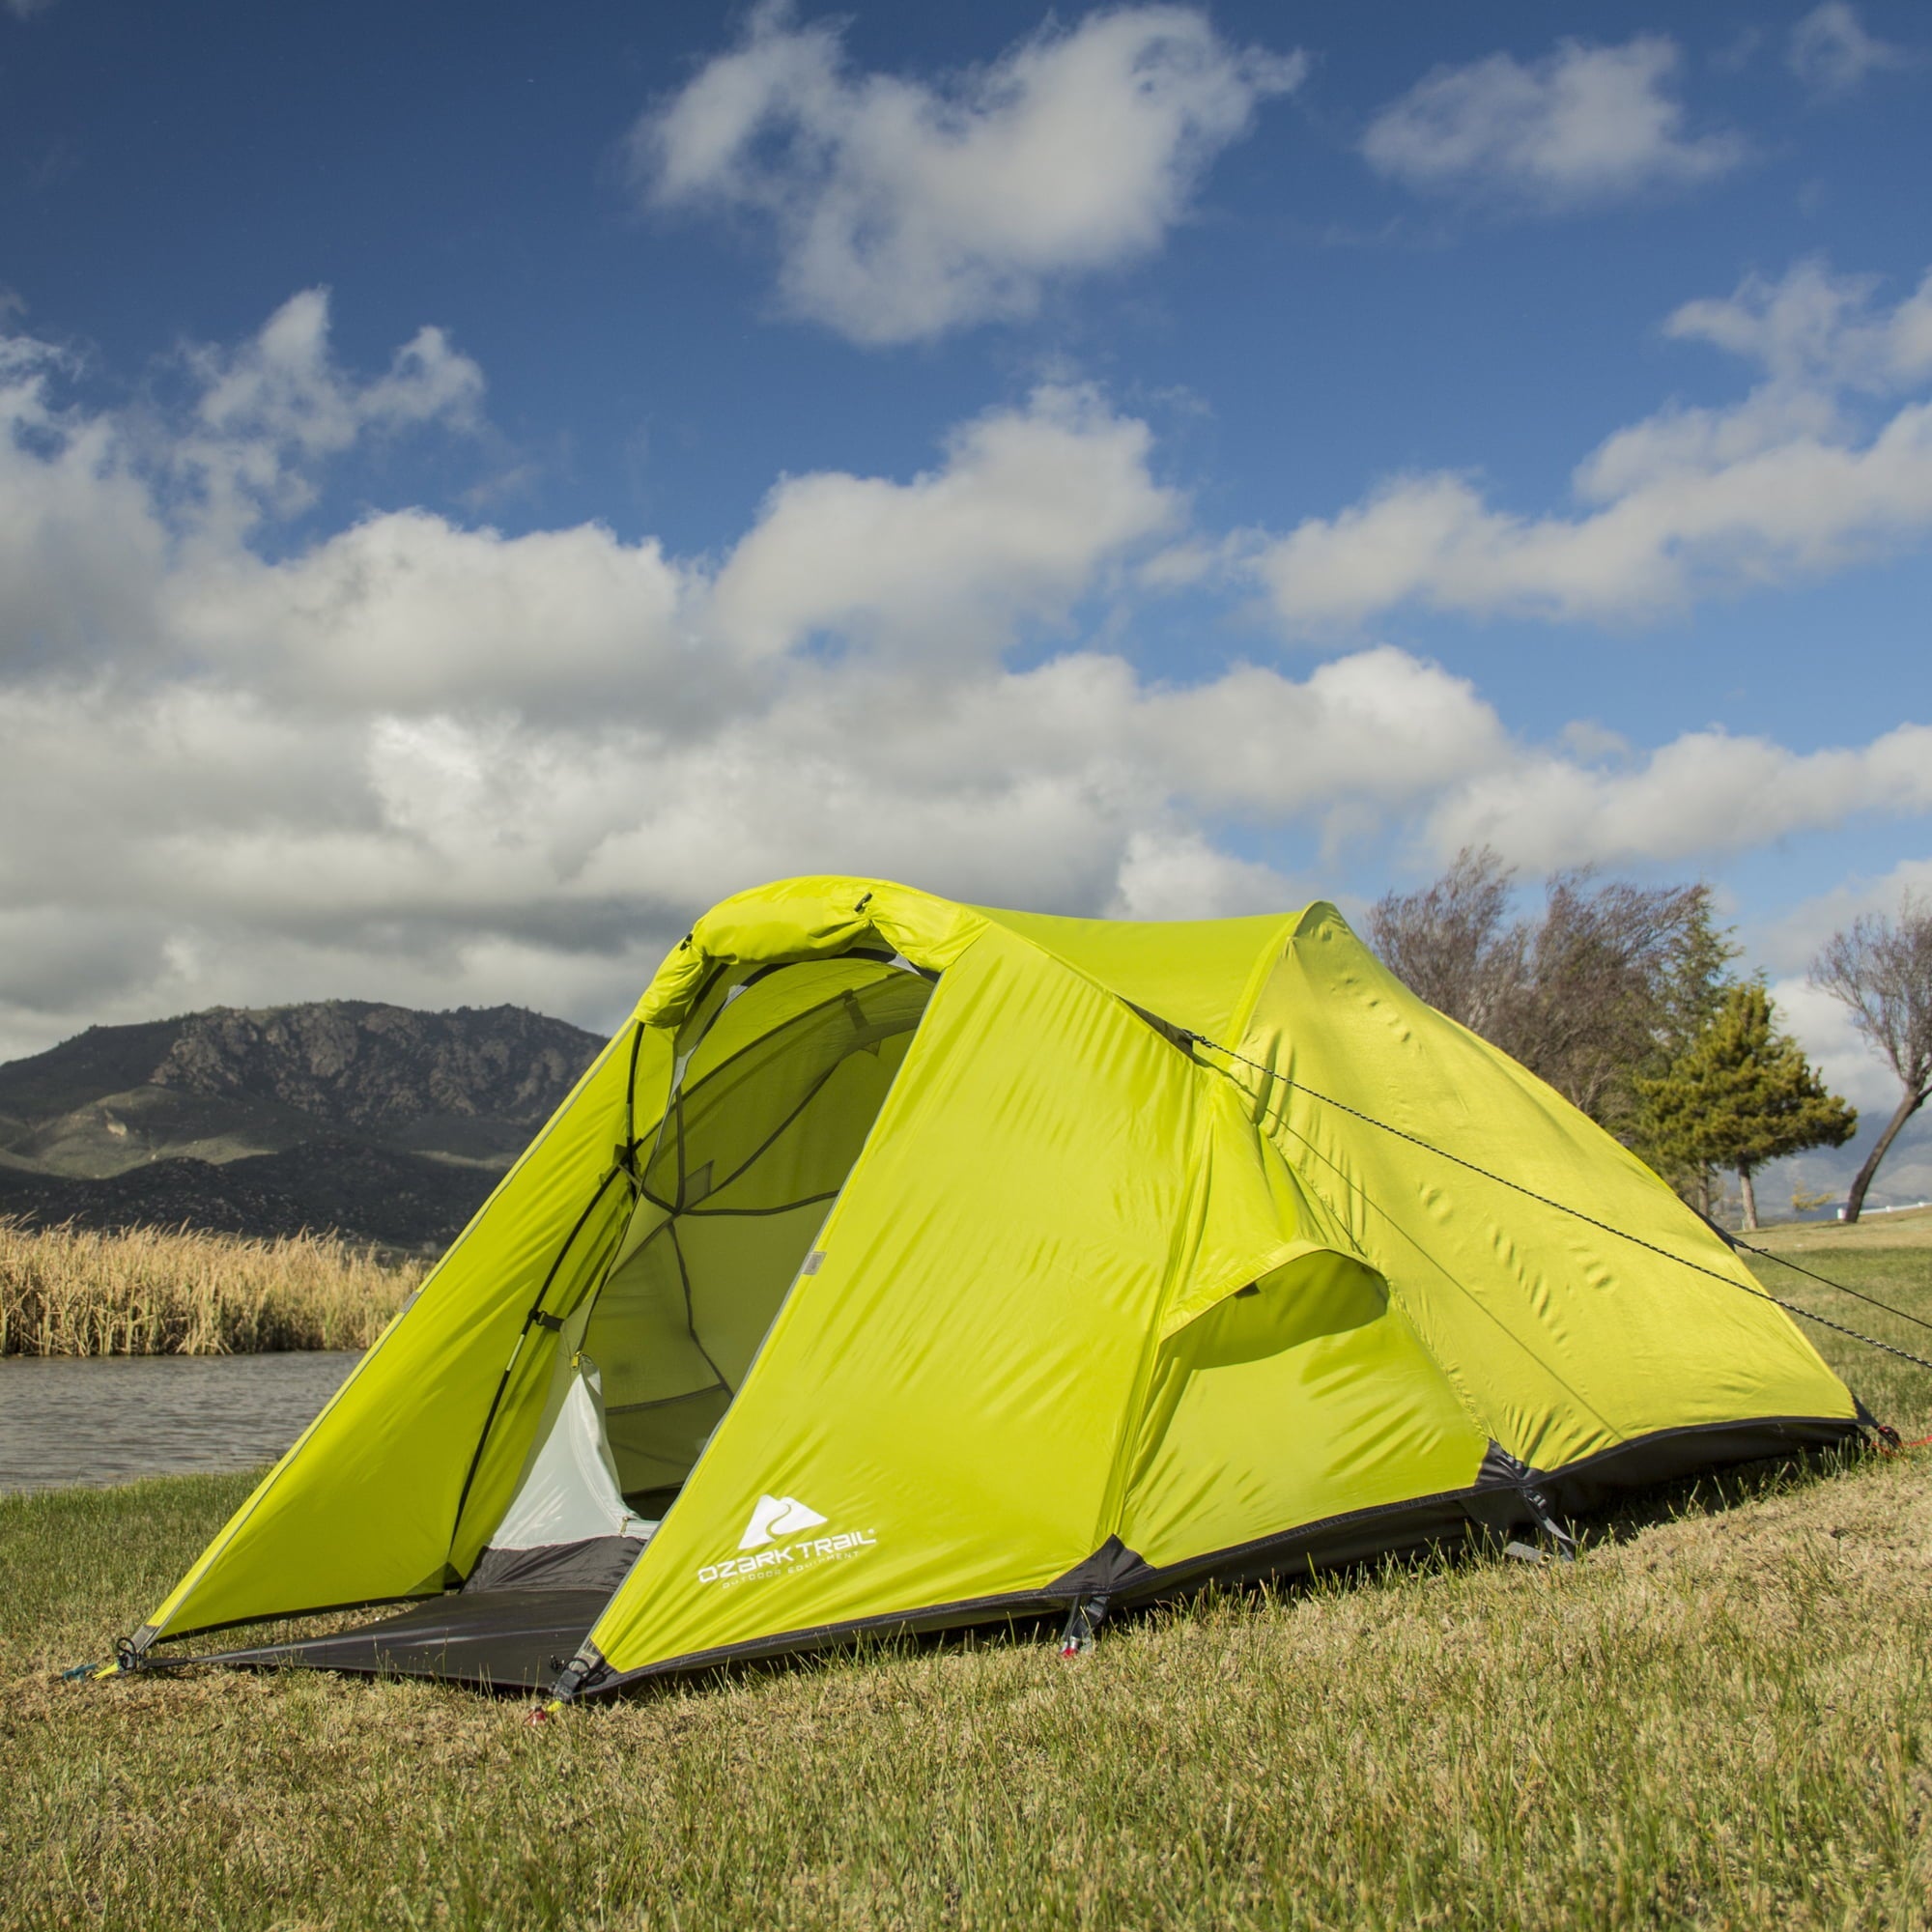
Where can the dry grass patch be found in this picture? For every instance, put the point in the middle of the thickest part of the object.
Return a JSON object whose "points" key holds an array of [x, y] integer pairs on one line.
{"points": [[1909, 1227], [74, 1292], [1721, 1717], [1715, 1719]]}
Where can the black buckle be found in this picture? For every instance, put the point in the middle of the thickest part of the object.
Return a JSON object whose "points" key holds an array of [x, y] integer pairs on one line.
{"points": [[1083, 1625]]}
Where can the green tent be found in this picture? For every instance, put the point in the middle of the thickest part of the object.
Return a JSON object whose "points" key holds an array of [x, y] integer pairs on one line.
{"points": [[903, 1263]]}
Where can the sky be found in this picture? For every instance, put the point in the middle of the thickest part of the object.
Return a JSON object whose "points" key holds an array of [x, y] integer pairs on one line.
{"points": [[481, 482]]}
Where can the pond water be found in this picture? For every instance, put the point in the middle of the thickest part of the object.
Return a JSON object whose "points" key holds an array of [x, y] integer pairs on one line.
{"points": [[110, 1418]]}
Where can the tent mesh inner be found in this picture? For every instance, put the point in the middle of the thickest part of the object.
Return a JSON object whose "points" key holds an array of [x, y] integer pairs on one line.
{"points": [[744, 1166]]}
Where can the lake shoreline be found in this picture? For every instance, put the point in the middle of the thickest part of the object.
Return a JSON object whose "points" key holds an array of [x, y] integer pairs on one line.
{"points": [[100, 1421]]}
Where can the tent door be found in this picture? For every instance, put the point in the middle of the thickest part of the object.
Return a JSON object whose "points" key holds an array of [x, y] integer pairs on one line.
{"points": [[771, 1114], [564, 1545], [568, 1527]]}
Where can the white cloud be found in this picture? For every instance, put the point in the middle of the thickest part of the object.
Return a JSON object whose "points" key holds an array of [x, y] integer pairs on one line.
{"points": [[1824, 1029], [25, 9], [1012, 526], [1583, 125], [1822, 1026], [219, 826], [1813, 331], [1378, 725], [1831, 52], [408, 612], [1689, 502], [1180, 875], [80, 545], [904, 209], [269, 410], [415, 761], [1793, 941], [1703, 793], [283, 386], [411, 759]]}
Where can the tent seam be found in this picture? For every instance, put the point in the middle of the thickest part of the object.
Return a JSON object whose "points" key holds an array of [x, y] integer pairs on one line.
{"points": [[1187, 1236]]}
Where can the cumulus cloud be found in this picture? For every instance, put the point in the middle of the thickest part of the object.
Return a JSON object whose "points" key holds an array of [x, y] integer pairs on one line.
{"points": [[902, 209], [408, 612], [1831, 52], [82, 548], [1011, 526], [284, 388], [419, 761], [1813, 331], [423, 759], [1583, 125], [1178, 874], [1792, 941], [1690, 502], [269, 409], [1703, 793], [1823, 1027]]}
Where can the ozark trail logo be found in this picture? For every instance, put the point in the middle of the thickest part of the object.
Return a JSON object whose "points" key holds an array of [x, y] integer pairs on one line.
{"points": [[776, 1516], [776, 1536]]}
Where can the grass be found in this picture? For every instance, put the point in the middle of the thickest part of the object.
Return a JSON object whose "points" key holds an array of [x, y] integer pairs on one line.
{"points": [[1908, 1228], [73, 1291], [1722, 1716], [1872, 1258]]}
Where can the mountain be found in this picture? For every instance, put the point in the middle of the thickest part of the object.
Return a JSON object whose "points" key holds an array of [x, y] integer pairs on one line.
{"points": [[384, 1123]]}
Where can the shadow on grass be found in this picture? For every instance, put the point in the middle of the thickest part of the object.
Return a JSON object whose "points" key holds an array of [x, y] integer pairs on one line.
{"points": [[1715, 1493], [1707, 1495]]}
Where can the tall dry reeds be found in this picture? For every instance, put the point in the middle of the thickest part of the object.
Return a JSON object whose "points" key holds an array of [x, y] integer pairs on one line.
{"points": [[150, 1292]]}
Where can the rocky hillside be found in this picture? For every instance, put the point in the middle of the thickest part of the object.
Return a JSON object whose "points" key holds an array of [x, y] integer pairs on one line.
{"points": [[379, 1120]]}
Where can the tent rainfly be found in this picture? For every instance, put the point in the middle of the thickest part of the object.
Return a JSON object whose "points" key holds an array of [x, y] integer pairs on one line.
{"points": [[903, 1265]]}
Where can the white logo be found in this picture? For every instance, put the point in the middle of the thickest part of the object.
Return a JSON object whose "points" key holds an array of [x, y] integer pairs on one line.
{"points": [[784, 1518], [776, 1516]]}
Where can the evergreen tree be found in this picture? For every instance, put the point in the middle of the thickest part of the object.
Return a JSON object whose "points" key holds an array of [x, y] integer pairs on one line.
{"points": [[1740, 1094], [1690, 996], [1696, 979]]}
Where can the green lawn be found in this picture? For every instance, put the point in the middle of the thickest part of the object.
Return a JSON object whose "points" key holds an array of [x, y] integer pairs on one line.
{"points": [[1722, 1716], [1863, 1259]]}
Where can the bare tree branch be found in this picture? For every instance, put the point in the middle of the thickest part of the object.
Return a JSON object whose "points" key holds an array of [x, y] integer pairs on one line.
{"points": [[1454, 943], [1587, 996], [1880, 971]]}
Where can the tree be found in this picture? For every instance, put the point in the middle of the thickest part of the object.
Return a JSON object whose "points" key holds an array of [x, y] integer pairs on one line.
{"points": [[1741, 1094], [1611, 982], [1454, 943], [1693, 994], [1882, 972]]}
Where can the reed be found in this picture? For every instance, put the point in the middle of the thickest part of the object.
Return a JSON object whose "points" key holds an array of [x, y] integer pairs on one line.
{"points": [[71, 1290]]}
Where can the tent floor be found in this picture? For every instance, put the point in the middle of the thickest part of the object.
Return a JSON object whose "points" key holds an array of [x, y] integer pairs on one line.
{"points": [[500, 1639]]}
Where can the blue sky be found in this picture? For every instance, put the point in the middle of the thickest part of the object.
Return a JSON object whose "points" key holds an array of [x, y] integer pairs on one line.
{"points": [[481, 482]]}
